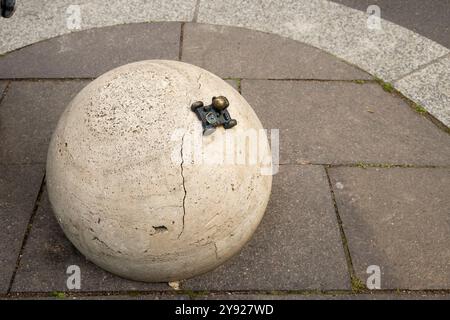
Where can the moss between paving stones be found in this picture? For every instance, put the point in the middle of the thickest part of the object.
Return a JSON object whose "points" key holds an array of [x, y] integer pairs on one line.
{"points": [[358, 285], [388, 87]]}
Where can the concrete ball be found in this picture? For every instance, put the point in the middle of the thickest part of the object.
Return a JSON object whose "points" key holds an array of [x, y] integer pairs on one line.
{"points": [[127, 188]]}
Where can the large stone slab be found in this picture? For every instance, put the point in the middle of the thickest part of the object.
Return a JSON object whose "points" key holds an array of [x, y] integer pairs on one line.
{"points": [[93, 52], [29, 112], [241, 53], [397, 219], [430, 87], [388, 53], [49, 253], [297, 246], [19, 187], [341, 122]]}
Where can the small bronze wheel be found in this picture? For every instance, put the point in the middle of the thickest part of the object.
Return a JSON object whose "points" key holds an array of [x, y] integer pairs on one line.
{"points": [[230, 124], [196, 105]]}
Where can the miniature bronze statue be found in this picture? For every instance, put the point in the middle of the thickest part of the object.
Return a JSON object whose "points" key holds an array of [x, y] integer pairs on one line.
{"points": [[214, 115]]}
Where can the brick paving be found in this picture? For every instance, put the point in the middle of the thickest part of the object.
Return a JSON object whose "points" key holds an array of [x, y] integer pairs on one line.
{"points": [[364, 178]]}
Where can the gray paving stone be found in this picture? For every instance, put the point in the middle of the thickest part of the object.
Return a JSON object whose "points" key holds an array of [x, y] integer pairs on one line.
{"points": [[297, 246], [343, 122], [93, 52], [47, 255], [241, 53], [19, 187], [29, 112], [397, 219]]}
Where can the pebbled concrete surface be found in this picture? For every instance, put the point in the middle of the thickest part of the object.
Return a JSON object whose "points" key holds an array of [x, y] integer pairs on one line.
{"points": [[430, 87], [429, 18], [34, 21], [389, 53]]}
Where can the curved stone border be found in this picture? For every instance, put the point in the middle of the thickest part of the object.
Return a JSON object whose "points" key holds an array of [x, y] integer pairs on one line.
{"points": [[417, 66]]}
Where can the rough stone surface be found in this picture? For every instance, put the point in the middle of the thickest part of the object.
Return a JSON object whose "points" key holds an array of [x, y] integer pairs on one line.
{"points": [[430, 87], [389, 53], [93, 52], [28, 113], [397, 219], [127, 191], [19, 187], [296, 247], [31, 23], [337, 122], [241, 53], [47, 255]]}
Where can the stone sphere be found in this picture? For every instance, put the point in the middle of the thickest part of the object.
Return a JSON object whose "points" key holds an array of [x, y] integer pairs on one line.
{"points": [[127, 188]]}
